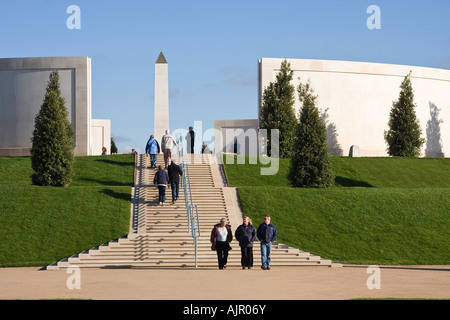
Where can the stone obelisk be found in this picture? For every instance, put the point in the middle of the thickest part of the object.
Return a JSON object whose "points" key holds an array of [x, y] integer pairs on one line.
{"points": [[161, 97]]}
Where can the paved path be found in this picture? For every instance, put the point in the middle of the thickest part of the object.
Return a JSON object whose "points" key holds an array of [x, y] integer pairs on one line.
{"points": [[285, 283]]}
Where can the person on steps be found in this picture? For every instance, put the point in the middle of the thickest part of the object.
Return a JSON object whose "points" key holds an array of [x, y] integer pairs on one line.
{"points": [[152, 148], [167, 142], [174, 172], [161, 180]]}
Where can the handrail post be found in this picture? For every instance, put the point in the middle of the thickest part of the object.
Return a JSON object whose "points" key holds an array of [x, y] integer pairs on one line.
{"points": [[193, 221], [198, 222], [195, 251]]}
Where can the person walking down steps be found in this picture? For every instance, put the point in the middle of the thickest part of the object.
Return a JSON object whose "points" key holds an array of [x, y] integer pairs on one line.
{"points": [[267, 234], [161, 180], [221, 236], [246, 235]]}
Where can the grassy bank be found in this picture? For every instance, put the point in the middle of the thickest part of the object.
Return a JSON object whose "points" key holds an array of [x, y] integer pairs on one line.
{"points": [[41, 225], [380, 211]]}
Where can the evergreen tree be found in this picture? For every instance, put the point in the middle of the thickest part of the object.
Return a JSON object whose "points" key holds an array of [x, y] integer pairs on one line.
{"points": [[114, 149], [277, 110], [53, 139], [403, 137], [310, 162]]}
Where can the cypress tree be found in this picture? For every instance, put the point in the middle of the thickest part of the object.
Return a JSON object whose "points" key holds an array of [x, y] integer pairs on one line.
{"points": [[114, 149], [53, 139], [403, 137], [310, 162], [277, 110]]}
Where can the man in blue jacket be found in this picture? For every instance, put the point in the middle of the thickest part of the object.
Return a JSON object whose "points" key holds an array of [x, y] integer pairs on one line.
{"points": [[267, 234], [153, 149]]}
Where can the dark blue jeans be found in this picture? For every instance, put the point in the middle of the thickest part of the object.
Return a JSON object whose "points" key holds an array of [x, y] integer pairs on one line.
{"points": [[162, 193], [175, 185], [153, 160], [266, 250]]}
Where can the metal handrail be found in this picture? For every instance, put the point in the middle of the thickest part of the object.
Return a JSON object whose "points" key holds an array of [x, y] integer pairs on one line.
{"points": [[193, 221]]}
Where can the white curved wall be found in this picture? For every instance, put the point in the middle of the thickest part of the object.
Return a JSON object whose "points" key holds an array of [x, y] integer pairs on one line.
{"points": [[358, 98]]}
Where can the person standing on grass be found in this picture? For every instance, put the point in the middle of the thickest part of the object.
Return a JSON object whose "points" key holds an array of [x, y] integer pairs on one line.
{"points": [[246, 235], [221, 236], [152, 148], [174, 172], [267, 234], [161, 180]]}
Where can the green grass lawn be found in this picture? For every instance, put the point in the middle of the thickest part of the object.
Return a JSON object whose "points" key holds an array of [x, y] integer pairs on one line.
{"points": [[40, 225], [380, 211]]}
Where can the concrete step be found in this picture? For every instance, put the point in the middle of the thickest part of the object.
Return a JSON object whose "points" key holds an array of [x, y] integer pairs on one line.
{"points": [[187, 261], [167, 242], [233, 260], [123, 253]]}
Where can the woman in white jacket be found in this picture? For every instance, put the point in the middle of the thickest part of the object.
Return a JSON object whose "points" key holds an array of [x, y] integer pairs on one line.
{"points": [[167, 143]]}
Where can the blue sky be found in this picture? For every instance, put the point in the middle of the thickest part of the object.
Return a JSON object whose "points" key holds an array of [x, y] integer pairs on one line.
{"points": [[212, 48]]}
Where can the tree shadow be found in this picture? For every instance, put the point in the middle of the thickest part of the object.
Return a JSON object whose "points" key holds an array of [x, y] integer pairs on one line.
{"points": [[107, 182], [116, 163], [116, 195], [346, 182], [333, 146], [434, 142]]}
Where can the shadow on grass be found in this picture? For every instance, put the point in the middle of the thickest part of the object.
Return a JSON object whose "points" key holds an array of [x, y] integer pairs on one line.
{"points": [[116, 195], [116, 163], [346, 182], [107, 182]]}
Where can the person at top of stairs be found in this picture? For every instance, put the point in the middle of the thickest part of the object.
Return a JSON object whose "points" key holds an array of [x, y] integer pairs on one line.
{"points": [[161, 180], [190, 138], [167, 142], [152, 148]]}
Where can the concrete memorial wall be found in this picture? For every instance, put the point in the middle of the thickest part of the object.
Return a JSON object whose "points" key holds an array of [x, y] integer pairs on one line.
{"points": [[23, 82], [355, 99]]}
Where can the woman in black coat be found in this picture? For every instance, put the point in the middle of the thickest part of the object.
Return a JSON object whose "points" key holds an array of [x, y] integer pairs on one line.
{"points": [[221, 236], [246, 235]]}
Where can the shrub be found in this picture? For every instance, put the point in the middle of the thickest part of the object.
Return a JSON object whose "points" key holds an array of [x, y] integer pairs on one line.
{"points": [[53, 140], [310, 162], [403, 137]]}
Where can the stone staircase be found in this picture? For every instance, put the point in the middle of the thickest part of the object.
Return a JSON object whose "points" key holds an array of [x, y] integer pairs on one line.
{"points": [[159, 235]]}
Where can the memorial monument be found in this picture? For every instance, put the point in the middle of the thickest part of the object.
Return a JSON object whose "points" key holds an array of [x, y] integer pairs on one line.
{"points": [[161, 123]]}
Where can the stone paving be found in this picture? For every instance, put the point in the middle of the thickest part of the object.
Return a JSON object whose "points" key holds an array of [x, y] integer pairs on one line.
{"points": [[284, 283]]}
